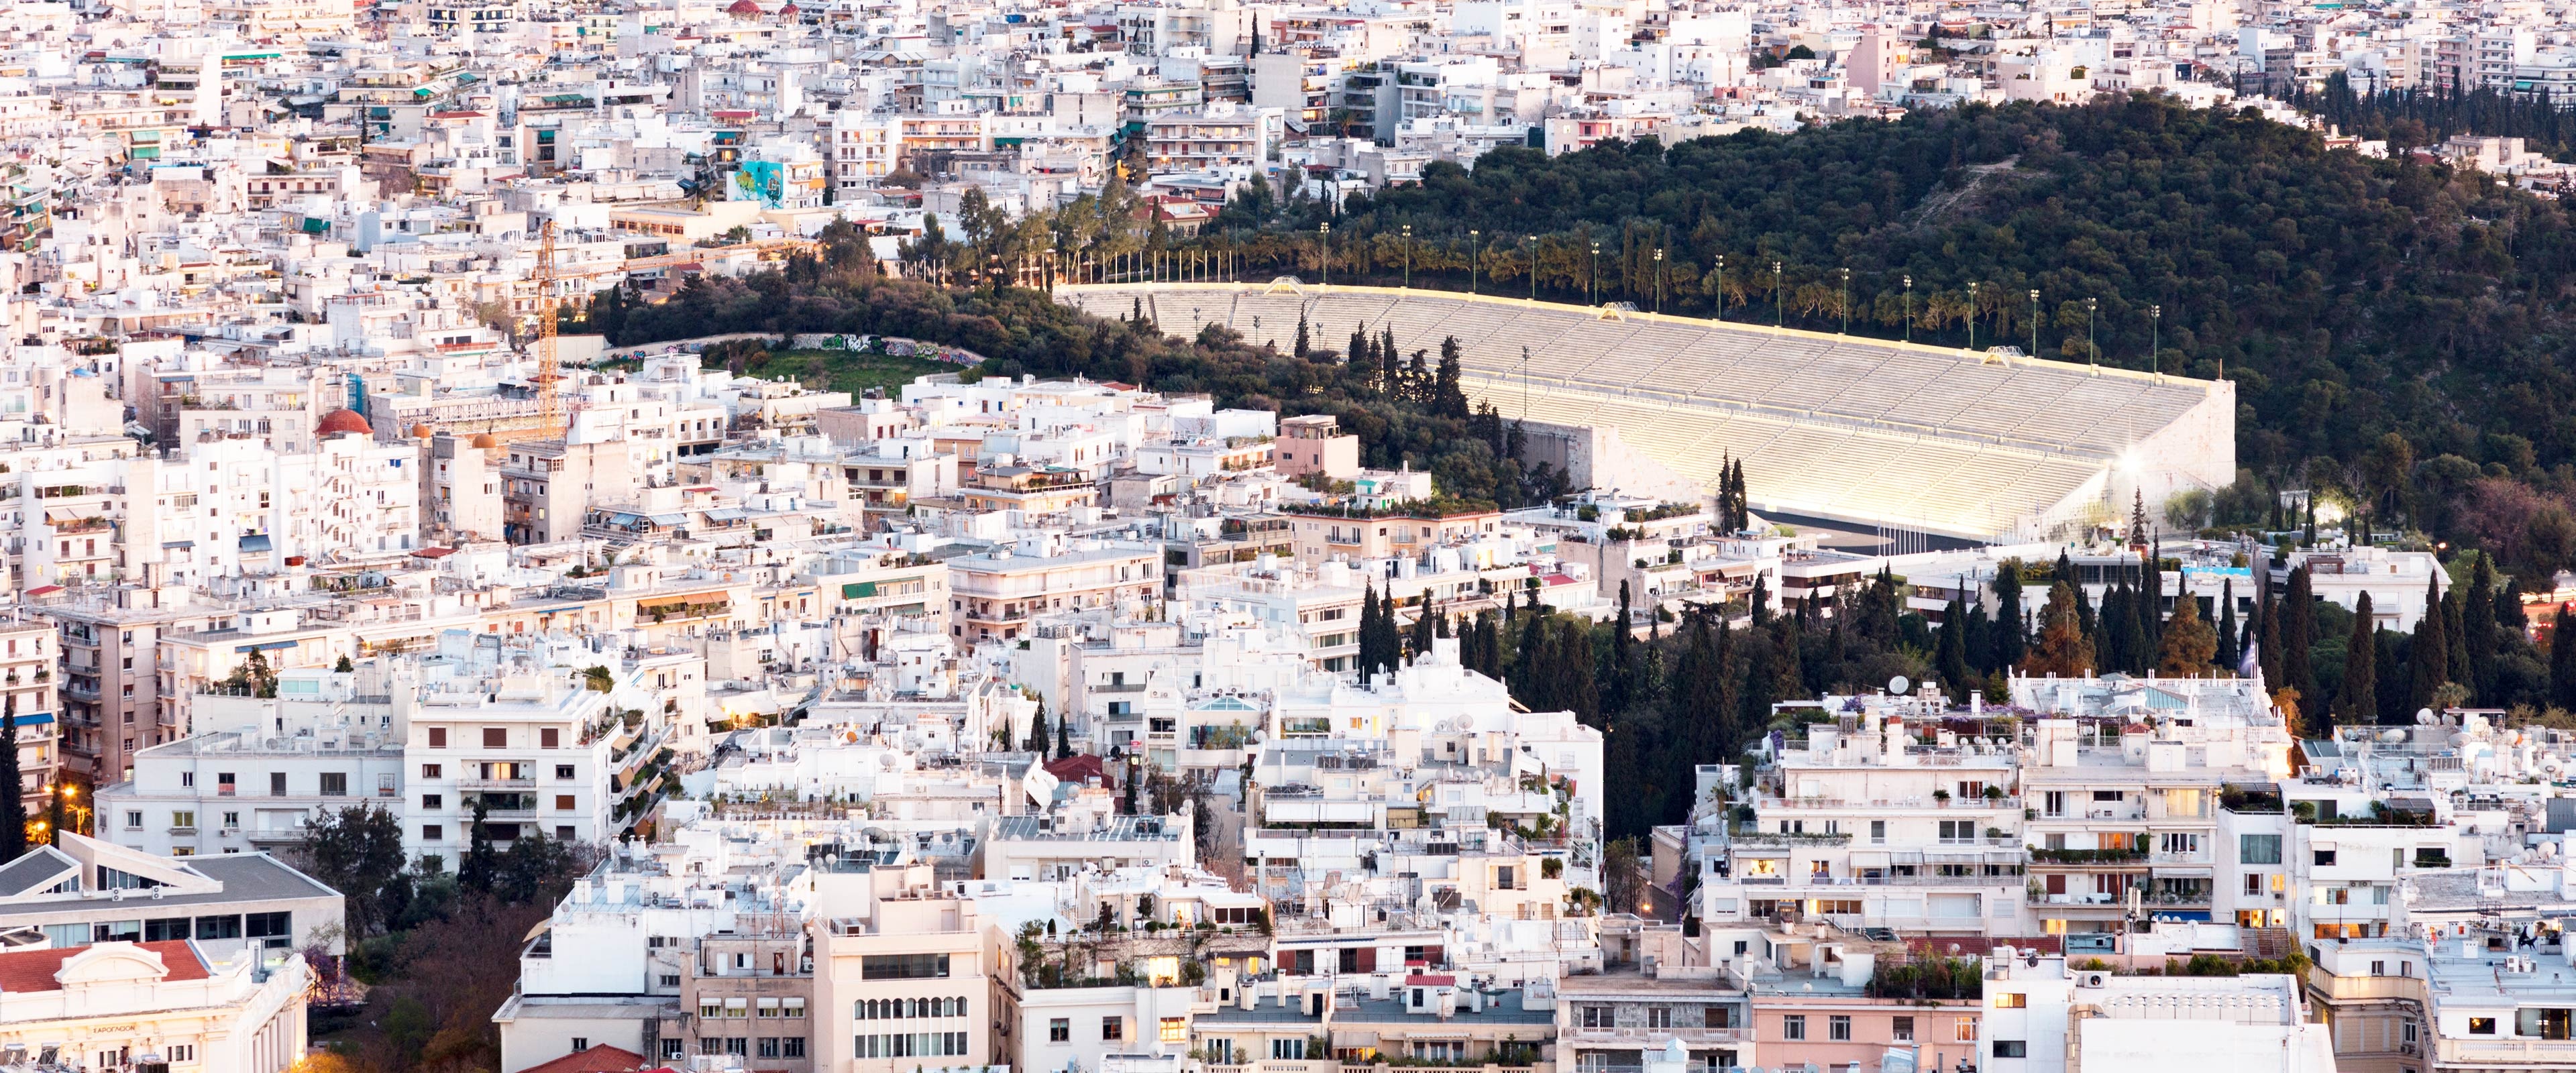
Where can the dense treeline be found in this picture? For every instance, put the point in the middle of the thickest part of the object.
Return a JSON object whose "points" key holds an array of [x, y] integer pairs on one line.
{"points": [[1405, 408], [2416, 117]]}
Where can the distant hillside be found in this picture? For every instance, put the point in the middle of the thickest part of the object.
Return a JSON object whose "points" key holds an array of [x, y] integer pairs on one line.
{"points": [[2348, 297]]}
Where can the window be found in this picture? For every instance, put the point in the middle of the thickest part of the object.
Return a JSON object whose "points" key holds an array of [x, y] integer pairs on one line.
{"points": [[563, 771], [276, 930], [1838, 1027], [2258, 849], [1964, 1030], [432, 771], [1288, 1050], [791, 1007], [496, 737], [792, 1046], [431, 832], [1901, 1030], [1059, 1030], [1716, 1017], [438, 737], [1878, 832], [1174, 1030], [737, 1045], [232, 821], [226, 926], [2011, 1000], [1113, 1028], [1659, 1017], [277, 784], [1793, 1026], [1597, 1017], [563, 802], [133, 821], [187, 779], [767, 1007], [2012, 1048], [580, 1044], [335, 784], [183, 820], [549, 738], [182, 1052], [903, 967], [710, 1008], [768, 1047], [738, 1006], [2325, 858], [433, 801], [2482, 1026]]}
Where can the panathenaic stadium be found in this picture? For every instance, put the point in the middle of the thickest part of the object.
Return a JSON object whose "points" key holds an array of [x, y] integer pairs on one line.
{"points": [[1990, 446]]}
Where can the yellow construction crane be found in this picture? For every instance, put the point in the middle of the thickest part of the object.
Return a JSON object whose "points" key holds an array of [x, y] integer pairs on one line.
{"points": [[550, 415]]}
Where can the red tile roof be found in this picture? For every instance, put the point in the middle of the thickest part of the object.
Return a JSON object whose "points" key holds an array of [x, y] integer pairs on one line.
{"points": [[32, 971], [599, 1059]]}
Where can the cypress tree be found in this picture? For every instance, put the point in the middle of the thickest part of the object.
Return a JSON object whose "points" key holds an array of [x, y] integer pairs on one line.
{"points": [[2478, 633], [1036, 742], [2230, 648], [1423, 624], [1760, 601], [2429, 658], [2151, 611], [2562, 661], [1616, 689], [2267, 641], [13, 787], [2189, 642], [2359, 701], [1950, 648], [1360, 352], [2455, 631], [2298, 632], [2008, 634], [1305, 343], [1064, 738]]}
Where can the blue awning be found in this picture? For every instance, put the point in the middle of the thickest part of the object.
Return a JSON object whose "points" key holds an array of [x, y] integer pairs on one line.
{"points": [[272, 646], [2194, 916], [31, 718], [177, 545], [254, 542]]}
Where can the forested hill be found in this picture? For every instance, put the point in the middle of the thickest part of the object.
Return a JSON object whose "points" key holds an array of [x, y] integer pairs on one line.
{"points": [[2395, 329], [2347, 296]]}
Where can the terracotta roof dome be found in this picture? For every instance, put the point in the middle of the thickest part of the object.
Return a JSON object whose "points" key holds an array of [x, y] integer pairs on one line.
{"points": [[343, 420], [485, 441], [743, 7], [423, 431]]}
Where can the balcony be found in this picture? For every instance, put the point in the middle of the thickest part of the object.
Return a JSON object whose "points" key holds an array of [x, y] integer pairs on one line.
{"points": [[496, 784], [1691, 1035]]}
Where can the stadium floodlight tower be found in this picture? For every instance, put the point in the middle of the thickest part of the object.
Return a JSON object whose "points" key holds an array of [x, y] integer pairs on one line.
{"points": [[1909, 307], [1327, 231], [1475, 252], [1972, 316]]}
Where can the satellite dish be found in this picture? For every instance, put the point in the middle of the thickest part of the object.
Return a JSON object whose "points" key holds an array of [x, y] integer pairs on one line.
{"points": [[1898, 685], [2424, 716], [2392, 735]]}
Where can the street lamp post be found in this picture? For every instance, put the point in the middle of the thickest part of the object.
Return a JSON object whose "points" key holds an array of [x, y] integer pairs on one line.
{"points": [[2091, 353], [2155, 339], [1779, 299], [1327, 229], [2034, 323], [1846, 301], [1972, 317], [1721, 286], [1533, 258], [1659, 279], [1909, 307], [1596, 273], [1475, 252], [1408, 257]]}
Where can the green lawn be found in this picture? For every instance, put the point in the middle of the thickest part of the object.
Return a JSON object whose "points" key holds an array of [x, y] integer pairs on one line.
{"points": [[848, 371]]}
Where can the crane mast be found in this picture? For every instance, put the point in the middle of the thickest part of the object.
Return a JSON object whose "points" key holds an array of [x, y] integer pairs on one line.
{"points": [[550, 415]]}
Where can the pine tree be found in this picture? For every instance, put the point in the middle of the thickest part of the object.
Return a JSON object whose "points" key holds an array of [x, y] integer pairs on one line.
{"points": [[1305, 344], [2429, 658], [2358, 702], [2138, 519], [475, 871], [2189, 643], [2008, 634], [2063, 650], [1449, 393]]}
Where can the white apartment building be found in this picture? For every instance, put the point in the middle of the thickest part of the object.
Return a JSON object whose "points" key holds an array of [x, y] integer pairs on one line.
{"points": [[2044, 1017], [259, 770], [121, 1005]]}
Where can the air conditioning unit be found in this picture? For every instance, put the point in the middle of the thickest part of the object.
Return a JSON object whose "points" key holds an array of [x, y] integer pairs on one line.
{"points": [[2092, 979]]}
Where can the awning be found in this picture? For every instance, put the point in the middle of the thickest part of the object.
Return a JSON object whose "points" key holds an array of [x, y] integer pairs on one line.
{"points": [[251, 542], [2181, 915], [31, 718], [64, 515], [1869, 858], [265, 646], [178, 545]]}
